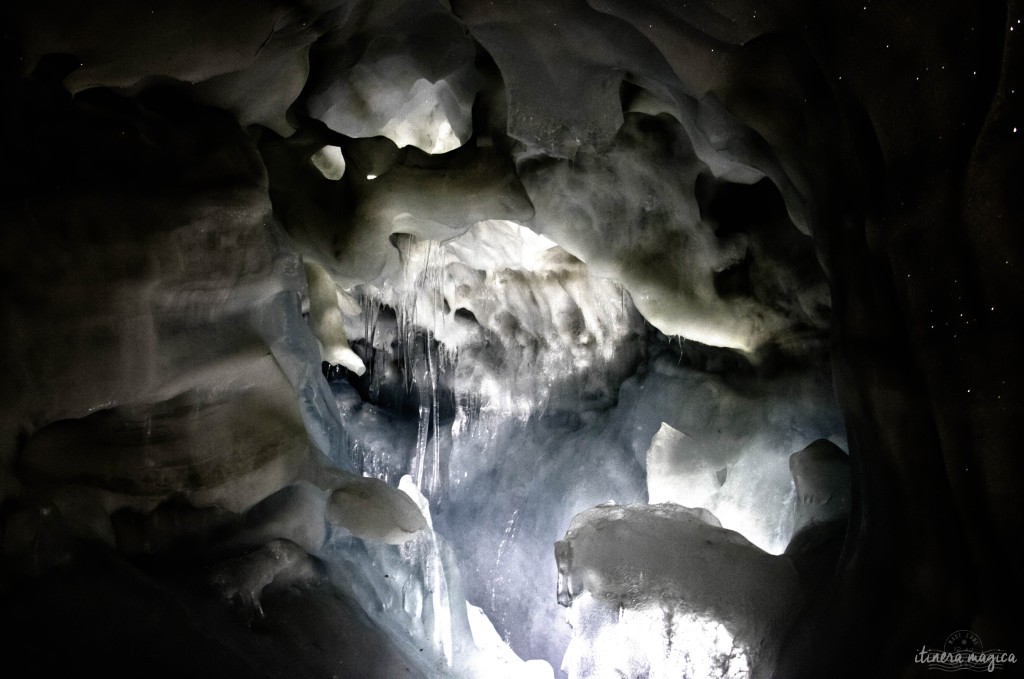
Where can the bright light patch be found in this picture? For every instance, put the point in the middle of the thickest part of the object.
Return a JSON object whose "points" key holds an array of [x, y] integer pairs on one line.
{"points": [[657, 642], [753, 496], [330, 162], [423, 120], [500, 661], [501, 281]]}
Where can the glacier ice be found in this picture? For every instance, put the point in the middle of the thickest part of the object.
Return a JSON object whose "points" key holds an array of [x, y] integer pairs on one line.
{"points": [[244, 578], [657, 591], [821, 475], [325, 319], [501, 517], [413, 82], [515, 316], [500, 295], [674, 261], [330, 161], [677, 473], [548, 256], [660, 642], [371, 509]]}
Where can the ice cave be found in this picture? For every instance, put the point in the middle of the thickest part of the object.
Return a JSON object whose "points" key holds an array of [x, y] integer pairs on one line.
{"points": [[511, 339]]}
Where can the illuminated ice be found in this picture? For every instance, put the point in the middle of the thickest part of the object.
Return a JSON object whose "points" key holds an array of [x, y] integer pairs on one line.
{"points": [[330, 161], [518, 318], [657, 591], [657, 642], [674, 259], [413, 82], [325, 320], [677, 472]]}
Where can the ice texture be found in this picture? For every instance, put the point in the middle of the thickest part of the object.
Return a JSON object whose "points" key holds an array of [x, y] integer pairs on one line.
{"points": [[821, 475], [533, 291], [193, 445], [415, 201], [325, 319], [279, 562], [681, 56], [657, 642], [371, 509], [413, 82], [675, 259], [677, 472], [330, 161], [641, 565], [414, 591], [511, 320]]}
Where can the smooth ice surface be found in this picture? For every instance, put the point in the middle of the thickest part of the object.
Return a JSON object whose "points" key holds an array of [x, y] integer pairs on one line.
{"points": [[658, 642], [678, 473], [723, 604], [821, 476], [413, 82], [518, 319], [325, 320], [330, 161], [675, 261], [371, 509]]}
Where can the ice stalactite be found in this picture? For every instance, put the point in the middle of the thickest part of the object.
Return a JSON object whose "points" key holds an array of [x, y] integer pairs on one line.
{"points": [[420, 310]]}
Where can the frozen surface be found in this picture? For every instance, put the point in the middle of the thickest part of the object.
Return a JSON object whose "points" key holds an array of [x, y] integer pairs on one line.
{"points": [[660, 642], [415, 591], [516, 388], [413, 82], [371, 509], [821, 475], [325, 319], [678, 473], [531, 290], [519, 322], [330, 161], [674, 263], [666, 594]]}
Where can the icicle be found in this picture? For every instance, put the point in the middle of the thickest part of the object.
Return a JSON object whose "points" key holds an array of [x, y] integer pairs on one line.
{"points": [[422, 431]]}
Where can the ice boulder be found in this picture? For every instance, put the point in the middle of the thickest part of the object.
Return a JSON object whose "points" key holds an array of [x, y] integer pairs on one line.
{"points": [[656, 591]]}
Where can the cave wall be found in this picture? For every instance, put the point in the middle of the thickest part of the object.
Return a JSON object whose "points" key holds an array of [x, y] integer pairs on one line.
{"points": [[155, 186]]}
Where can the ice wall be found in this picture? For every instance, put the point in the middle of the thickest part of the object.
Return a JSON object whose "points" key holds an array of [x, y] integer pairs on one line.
{"points": [[542, 269], [723, 605]]}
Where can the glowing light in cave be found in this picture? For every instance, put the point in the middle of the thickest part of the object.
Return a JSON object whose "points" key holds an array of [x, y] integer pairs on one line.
{"points": [[330, 162], [657, 642]]}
